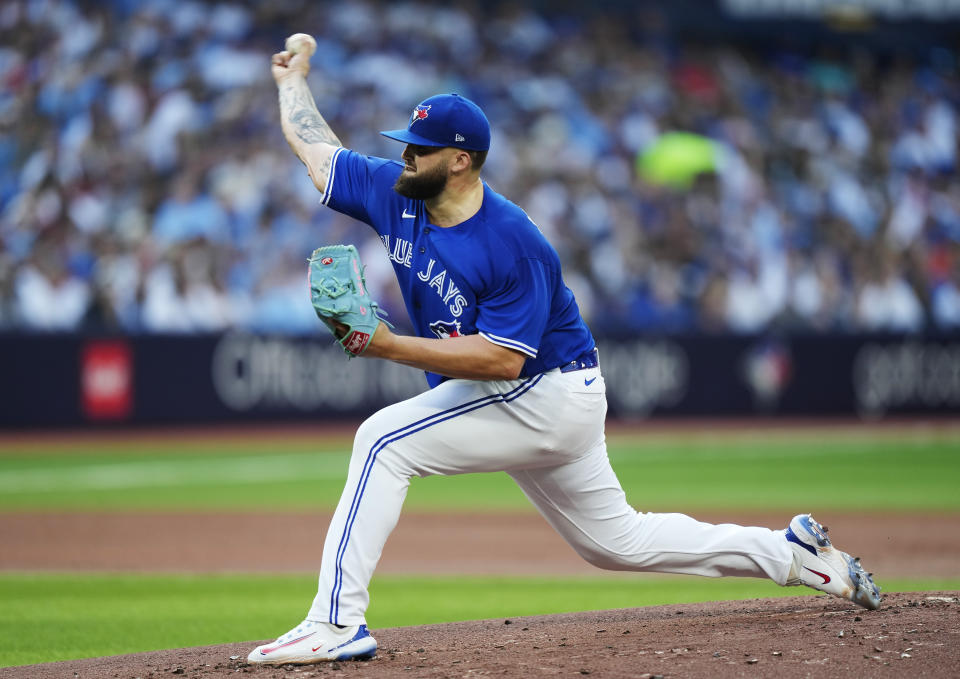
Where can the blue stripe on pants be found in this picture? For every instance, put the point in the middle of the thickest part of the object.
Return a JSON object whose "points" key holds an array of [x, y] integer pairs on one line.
{"points": [[389, 438]]}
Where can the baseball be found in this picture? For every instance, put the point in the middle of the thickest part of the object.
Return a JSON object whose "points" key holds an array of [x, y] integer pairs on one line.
{"points": [[301, 42]]}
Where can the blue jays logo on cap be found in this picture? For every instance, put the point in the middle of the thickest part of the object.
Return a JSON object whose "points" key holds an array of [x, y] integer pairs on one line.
{"points": [[446, 120], [419, 113]]}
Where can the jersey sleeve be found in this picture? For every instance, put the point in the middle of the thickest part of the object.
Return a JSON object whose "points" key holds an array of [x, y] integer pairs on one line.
{"points": [[353, 184], [515, 315]]}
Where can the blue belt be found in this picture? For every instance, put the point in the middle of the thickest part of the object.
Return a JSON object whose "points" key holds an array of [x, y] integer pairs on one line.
{"points": [[588, 360]]}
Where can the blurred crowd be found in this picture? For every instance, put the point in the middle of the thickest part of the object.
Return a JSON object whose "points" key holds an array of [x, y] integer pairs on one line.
{"points": [[145, 185]]}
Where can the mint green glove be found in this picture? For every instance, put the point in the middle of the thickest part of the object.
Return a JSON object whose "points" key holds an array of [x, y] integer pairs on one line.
{"points": [[339, 295]]}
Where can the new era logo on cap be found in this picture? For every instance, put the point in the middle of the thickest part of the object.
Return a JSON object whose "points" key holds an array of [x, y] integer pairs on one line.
{"points": [[446, 120]]}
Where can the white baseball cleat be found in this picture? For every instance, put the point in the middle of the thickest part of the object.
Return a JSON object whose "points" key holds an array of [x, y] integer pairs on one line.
{"points": [[820, 565], [313, 642]]}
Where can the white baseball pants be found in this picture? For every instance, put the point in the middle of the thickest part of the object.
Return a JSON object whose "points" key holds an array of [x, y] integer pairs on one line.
{"points": [[547, 432]]}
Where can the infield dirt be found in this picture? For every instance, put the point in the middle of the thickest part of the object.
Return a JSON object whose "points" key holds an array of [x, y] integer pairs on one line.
{"points": [[892, 545]]}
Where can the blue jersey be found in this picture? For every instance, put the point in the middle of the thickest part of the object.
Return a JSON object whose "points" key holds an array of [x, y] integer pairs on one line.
{"points": [[494, 274]]}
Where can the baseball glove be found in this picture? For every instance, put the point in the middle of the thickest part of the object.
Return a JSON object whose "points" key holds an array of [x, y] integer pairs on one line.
{"points": [[339, 295]]}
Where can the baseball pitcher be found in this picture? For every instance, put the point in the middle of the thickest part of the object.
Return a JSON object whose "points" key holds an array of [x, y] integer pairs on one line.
{"points": [[515, 378]]}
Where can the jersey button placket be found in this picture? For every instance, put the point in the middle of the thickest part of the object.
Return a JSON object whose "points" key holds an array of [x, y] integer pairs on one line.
{"points": [[422, 250]]}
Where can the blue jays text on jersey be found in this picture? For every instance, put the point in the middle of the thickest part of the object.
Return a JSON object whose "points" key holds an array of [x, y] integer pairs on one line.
{"points": [[494, 274], [401, 252]]}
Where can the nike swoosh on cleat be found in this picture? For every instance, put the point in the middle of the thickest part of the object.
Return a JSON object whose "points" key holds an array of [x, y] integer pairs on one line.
{"points": [[408, 216], [264, 651], [317, 648], [826, 578], [587, 382]]}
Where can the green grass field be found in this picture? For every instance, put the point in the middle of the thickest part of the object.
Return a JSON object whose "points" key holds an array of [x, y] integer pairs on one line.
{"points": [[906, 470], [902, 470]]}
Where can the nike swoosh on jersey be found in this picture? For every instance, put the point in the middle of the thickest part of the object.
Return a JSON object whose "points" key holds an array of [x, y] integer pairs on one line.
{"points": [[407, 215], [587, 382]]}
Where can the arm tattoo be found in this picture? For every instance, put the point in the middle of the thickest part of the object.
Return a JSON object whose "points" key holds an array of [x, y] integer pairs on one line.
{"points": [[299, 111], [311, 128]]}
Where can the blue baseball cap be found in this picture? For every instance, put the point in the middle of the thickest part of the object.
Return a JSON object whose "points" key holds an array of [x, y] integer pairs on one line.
{"points": [[446, 120]]}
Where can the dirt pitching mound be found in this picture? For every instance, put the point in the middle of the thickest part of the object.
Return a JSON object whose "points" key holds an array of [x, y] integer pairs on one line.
{"points": [[914, 634]]}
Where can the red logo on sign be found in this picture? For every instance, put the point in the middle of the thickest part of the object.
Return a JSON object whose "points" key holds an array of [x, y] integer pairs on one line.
{"points": [[106, 380], [326, 261]]}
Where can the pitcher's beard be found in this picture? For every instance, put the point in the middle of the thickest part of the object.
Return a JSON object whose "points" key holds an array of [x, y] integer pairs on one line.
{"points": [[422, 186]]}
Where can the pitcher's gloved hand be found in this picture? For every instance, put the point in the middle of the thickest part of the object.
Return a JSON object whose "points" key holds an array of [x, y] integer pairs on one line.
{"points": [[340, 298]]}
